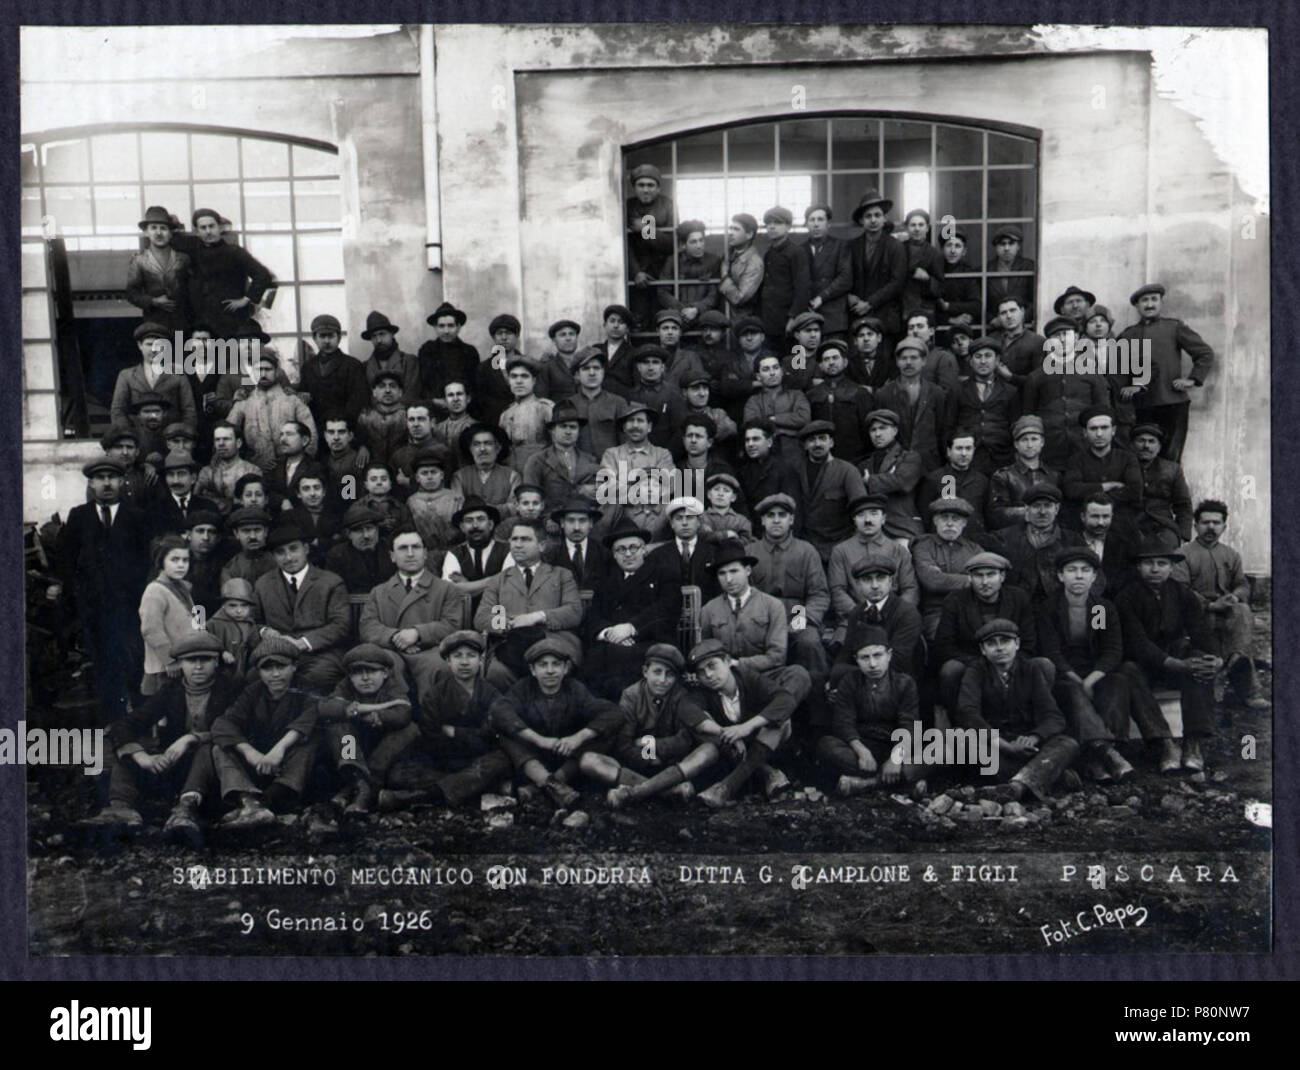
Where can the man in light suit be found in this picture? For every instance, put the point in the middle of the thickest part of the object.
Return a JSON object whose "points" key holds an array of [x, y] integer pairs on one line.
{"points": [[527, 602], [413, 611], [306, 605]]}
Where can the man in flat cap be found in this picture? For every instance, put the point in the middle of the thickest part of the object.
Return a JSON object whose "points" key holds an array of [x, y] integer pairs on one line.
{"points": [[878, 606], [170, 509], [868, 515], [924, 410], [785, 291], [157, 372], [121, 443], [987, 406], [827, 484], [879, 266], [1166, 503], [698, 272], [227, 282], [688, 558], [744, 275], [654, 391], [599, 410], [1008, 485], [446, 357], [334, 382], [162, 748], [556, 372], [791, 570], [894, 471], [264, 743], [1163, 399], [842, 401], [830, 270], [1010, 274], [649, 238], [940, 556], [1031, 545], [1011, 694], [663, 740], [358, 558], [753, 710], [491, 388], [306, 606], [548, 719]]}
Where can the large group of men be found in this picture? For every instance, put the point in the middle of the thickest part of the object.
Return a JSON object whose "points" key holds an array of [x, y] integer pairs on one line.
{"points": [[782, 521]]}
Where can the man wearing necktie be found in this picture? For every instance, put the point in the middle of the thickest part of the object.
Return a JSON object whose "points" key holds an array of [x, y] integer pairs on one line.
{"points": [[170, 508]]}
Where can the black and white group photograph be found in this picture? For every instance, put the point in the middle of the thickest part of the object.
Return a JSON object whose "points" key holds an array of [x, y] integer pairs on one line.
{"points": [[646, 489]]}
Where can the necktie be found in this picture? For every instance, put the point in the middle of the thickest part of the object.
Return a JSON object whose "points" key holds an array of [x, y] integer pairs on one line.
{"points": [[293, 586], [528, 579], [478, 561], [577, 561], [686, 554], [873, 614], [408, 581], [185, 503], [106, 515], [735, 604]]}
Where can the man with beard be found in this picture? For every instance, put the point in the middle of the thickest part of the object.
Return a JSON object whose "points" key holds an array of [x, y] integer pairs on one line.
{"points": [[1166, 506], [830, 271], [227, 282], [386, 357], [446, 358], [879, 266], [332, 381]]}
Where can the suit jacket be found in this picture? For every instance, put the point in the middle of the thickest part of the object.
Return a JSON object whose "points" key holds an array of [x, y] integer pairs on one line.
{"points": [[167, 517], [105, 569], [433, 607], [921, 429], [1024, 706], [1103, 647], [990, 419], [667, 561], [554, 592], [648, 600], [879, 279], [824, 518], [148, 277], [901, 622], [596, 562], [131, 385], [548, 471], [895, 472], [1170, 339], [359, 571], [319, 614], [831, 277], [846, 403]]}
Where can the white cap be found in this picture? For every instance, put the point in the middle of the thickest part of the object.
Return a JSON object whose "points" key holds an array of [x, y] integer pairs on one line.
{"points": [[693, 506]]}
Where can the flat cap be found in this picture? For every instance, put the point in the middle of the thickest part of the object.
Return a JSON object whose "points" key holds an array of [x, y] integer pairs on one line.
{"points": [[588, 355], [1027, 424], [747, 323], [694, 378], [778, 215], [985, 342], [956, 329], [283, 535], [872, 636], [693, 506], [868, 321], [988, 560], [249, 514], [772, 501], [643, 353], [668, 654], [1093, 411], [832, 345], [1039, 491], [998, 626], [196, 641], [559, 325], [1103, 312], [149, 329], [202, 516], [668, 315], [505, 320], [888, 416], [866, 501], [805, 319], [176, 429], [709, 648], [102, 464], [326, 322], [387, 373], [179, 459], [549, 645], [1060, 323], [116, 433], [276, 647], [1007, 232], [1147, 429], [646, 170], [237, 590], [875, 562], [914, 345], [358, 513], [367, 654], [1149, 288], [951, 505], [461, 638], [816, 427], [1076, 553], [1155, 547], [727, 479], [712, 318], [622, 311]]}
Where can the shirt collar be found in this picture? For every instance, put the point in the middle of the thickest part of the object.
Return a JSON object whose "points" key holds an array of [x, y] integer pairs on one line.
{"points": [[299, 576]]}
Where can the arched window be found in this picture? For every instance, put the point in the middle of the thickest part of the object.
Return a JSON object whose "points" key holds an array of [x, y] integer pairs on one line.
{"points": [[85, 190], [984, 178]]}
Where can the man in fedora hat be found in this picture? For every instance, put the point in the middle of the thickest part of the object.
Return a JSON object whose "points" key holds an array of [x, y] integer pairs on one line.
{"points": [[830, 270], [649, 238], [446, 357], [744, 275], [1074, 303], [786, 288], [334, 382], [1010, 274], [385, 356], [562, 470], [158, 277], [636, 458], [698, 272], [485, 477], [227, 282], [586, 558], [879, 266], [154, 373], [1168, 634], [306, 605], [1163, 398], [635, 605], [751, 624]]}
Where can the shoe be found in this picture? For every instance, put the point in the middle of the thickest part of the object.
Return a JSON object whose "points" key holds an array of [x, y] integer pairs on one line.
{"points": [[398, 800], [183, 825], [361, 801], [852, 785], [683, 792], [114, 816], [717, 797], [342, 797], [1117, 763], [618, 797], [1171, 756], [1192, 758], [561, 794], [775, 782], [1096, 771], [1071, 781], [248, 817]]}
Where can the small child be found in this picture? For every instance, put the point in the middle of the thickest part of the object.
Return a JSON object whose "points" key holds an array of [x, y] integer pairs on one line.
{"points": [[720, 520], [432, 504], [378, 497], [362, 721], [233, 625]]}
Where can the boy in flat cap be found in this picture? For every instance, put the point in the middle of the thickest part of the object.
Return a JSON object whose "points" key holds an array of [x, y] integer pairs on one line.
{"points": [[721, 521], [871, 362], [1006, 692], [451, 754], [786, 288], [1011, 275], [547, 719], [753, 711], [744, 275], [940, 557], [360, 725], [894, 471], [264, 743], [1008, 485], [842, 402], [656, 393], [827, 484], [162, 748], [333, 381], [202, 534], [662, 741], [870, 703], [1164, 400], [680, 361]]}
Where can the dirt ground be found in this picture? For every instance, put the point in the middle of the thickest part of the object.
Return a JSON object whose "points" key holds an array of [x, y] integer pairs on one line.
{"points": [[1184, 869]]}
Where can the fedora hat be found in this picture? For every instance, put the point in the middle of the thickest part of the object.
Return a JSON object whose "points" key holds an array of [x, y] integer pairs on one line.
{"points": [[446, 309], [156, 213], [869, 200], [377, 321]]}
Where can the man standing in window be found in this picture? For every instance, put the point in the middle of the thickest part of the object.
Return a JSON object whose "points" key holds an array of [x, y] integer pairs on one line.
{"points": [[831, 271], [649, 239], [786, 276], [1007, 258], [228, 282], [158, 279], [879, 266], [744, 275]]}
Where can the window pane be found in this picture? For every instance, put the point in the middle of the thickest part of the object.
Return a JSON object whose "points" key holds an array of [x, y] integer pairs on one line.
{"points": [[855, 144], [220, 197], [115, 158], [70, 207], [117, 209], [752, 148], [175, 198], [314, 162], [703, 199], [846, 192], [36, 315], [796, 192], [266, 206], [166, 157], [1011, 150], [317, 204], [1011, 194], [959, 194], [658, 155], [29, 173], [31, 199], [283, 315], [907, 144], [754, 195], [803, 145], [893, 189], [65, 161], [957, 145], [703, 152], [264, 159], [214, 157], [316, 300], [33, 261], [275, 251], [320, 256]]}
